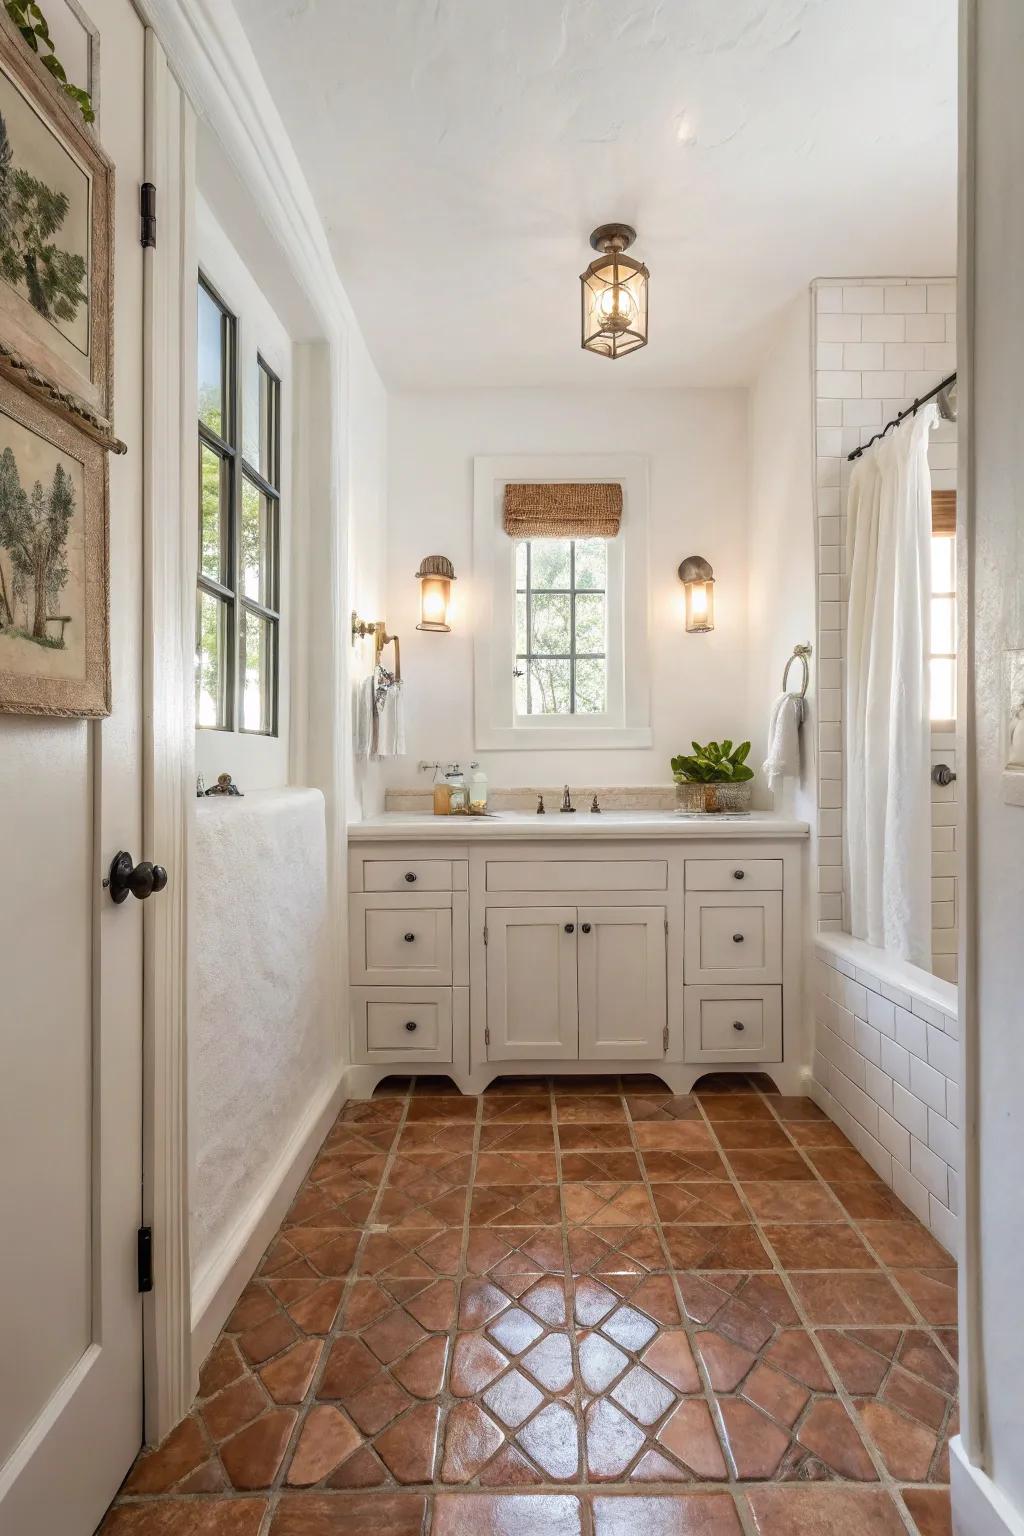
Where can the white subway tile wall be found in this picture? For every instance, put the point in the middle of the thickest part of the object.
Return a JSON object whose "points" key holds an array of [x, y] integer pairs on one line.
{"points": [[886, 1069], [878, 342]]}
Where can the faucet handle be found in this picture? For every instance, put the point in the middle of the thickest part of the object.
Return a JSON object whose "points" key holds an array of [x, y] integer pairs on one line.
{"points": [[540, 806], [595, 809]]}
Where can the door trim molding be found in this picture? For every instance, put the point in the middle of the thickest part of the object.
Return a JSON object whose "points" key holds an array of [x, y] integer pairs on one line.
{"points": [[168, 564]]}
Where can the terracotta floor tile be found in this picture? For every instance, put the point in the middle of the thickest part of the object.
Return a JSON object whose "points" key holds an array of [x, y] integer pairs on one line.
{"points": [[930, 1510], [175, 1517], [326, 1440], [671, 1356], [595, 1167], [816, 1133], [531, 1110], [751, 1135], [903, 1243], [516, 1087], [690, 1435], [550, 1439], [505, 1514], [471, 1439], [791, 1202], [667, 1164], [550, 1362], [823, 1511], [449, 1111], [251, 1458], [933, 1292], [222, 1366], [849, 1298], [906, 1447], [823, 1246], [711, 1247], [409, 1445], [349, 1514], [512, 1399], [287, 1378], [840, 1165], [711, 1202], [734, 1106], [588, 1109], [769, 1167], [587, 1138], [663, 1106], [686, 1514], [475, 1364], [796, 1108], [612, 1441], [184, 1449], [531, 1167], [871, 1202], [224, 1414]]}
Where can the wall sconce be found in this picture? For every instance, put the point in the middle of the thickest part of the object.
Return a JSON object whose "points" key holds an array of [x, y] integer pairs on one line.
{"points": [[698, 581], [435, 575], [614, 293]]}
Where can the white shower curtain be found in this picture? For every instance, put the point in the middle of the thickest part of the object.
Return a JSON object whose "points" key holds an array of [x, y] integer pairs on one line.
{"points": [[888, 803]]}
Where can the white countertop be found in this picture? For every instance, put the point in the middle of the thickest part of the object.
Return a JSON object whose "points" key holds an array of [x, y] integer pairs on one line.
{"points": [[406, 826]]}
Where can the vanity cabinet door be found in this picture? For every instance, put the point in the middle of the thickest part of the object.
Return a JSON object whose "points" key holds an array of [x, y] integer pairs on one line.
{"points": [[622, 982], [531, 983]]}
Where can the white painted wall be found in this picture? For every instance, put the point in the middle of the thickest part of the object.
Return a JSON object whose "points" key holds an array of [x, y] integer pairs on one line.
{"points": [[696, 442], [368, 548], [992, 343]]}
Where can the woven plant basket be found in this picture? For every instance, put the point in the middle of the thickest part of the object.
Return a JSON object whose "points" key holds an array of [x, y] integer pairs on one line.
{"points": [[712, 799]]}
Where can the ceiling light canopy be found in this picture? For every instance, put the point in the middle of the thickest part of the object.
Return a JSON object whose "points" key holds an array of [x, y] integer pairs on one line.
{"points": [[614, 295]]}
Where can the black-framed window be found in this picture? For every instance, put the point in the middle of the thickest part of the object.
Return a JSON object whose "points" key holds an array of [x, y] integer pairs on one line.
{"points": [[238, 611], [561, 626]]}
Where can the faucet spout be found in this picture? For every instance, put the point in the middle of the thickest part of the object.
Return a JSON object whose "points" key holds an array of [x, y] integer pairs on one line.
{"points": [[566, 805]]}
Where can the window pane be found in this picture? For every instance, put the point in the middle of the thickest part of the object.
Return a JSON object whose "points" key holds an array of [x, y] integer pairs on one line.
{"points": [[251, 411], [943, 557], [549, 687], [591, 563], [211, 363], [549, 613], [212, 617], [257, 545], [549, 560], [214, 523], [591, 687], [257, 673], [590, 624], [269, 394], [943, 688], [522, 682], [521, 623], [944, 625]]}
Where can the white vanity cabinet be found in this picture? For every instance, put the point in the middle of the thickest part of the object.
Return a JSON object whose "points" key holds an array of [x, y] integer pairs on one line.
{"points": [[483, 947]]}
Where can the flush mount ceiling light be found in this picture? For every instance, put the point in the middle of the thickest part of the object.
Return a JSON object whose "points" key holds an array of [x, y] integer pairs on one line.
{"points": [[614, 295]]}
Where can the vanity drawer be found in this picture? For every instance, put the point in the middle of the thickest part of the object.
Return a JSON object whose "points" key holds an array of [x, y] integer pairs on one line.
{"points": [[408, 944], [732, 1023], [733, 936], [407, 874], [577, 875], [401, 1024], [734, 874]]}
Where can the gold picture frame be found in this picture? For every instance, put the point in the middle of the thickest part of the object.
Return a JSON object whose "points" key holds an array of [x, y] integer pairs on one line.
{"points": [[54, 563], [56, 245]]}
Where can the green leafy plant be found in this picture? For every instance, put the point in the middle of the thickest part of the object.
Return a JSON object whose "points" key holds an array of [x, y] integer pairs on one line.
{"points": [[717, 763], [32, 25]]}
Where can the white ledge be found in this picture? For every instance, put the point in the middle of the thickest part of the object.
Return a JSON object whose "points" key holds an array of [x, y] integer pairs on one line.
{"points": [[922, 985], [508, 826]]}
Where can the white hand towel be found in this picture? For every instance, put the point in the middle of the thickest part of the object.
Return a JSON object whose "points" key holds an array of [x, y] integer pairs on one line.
{"points": [[783, 760], [362, 718], [391, 725]]}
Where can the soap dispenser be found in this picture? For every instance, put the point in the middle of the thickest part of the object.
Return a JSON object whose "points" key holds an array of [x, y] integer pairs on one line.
{"points": [[458, 800]]}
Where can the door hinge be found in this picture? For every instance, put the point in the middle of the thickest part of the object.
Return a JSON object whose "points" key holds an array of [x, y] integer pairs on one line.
{"points": [[485, 933], [487, 1034], [148, 211], [145, 1258], [664, 1039]]}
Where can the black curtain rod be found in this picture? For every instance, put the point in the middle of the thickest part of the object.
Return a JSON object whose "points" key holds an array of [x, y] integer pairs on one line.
{"points": [[911, 410]]}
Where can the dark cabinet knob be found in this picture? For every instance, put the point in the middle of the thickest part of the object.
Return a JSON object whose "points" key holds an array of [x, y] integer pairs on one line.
{"points": [[412, 1025], [739, 874], [737, 938], [410, 877], [585, 927], [409, 937], [570, 927], [739, 1026], [126, 878]]}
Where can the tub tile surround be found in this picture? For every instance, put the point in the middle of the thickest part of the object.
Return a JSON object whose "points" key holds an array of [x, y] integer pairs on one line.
{"points": [[886, 1069], [581, 1307], [877, 343]]}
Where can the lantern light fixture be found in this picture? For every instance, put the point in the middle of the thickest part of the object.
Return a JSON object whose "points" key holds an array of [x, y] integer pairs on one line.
{"points": [[435, 575], [614, 295], [698, 581]]}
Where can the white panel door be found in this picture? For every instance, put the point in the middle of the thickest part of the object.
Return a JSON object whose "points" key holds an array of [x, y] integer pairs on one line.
{"points": [[623, 1004], [71, 984], [531, 983]]}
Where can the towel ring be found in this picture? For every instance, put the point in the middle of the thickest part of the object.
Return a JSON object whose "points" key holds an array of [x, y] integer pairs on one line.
{"points": [[800, 654]]}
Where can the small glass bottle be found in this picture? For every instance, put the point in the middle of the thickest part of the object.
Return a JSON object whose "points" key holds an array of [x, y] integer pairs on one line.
{"points": [[442, 799], [478, 792], [458, 797]]}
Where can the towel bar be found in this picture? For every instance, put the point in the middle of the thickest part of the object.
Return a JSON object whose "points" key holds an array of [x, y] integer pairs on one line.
{"points": [[800, 654], [378, 629]]}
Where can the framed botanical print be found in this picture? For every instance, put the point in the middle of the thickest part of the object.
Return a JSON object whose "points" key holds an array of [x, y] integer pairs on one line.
{"points": [[56, 240], [54, 563]]}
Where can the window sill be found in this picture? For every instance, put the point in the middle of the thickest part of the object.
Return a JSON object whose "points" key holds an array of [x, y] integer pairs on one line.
{"points": [[561, 738]]}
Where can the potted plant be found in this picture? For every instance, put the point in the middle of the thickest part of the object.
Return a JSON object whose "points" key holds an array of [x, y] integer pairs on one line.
{"points": [[713, 778]]}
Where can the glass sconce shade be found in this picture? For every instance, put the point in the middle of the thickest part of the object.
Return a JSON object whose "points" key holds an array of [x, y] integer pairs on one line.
{"points": [[435, 575], [614, 295], [698, 581]]}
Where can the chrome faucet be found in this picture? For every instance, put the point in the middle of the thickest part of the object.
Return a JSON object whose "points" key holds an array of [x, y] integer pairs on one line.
{"points": [[567, 805]]}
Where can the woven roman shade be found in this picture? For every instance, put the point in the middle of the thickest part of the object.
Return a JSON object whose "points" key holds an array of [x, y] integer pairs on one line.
{"points": [[566, 510], [943, 511]]}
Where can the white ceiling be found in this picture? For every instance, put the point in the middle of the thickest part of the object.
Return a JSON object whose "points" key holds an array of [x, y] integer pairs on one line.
{"points": [[462, 151]]}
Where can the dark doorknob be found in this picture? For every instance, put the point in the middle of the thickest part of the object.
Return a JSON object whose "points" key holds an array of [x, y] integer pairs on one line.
{"points": [[411, 878], [129, 879], [739, 1026], [411, 1026], [738, 874], [585, 927], [409, 937], [737, 938], [570, 927]]}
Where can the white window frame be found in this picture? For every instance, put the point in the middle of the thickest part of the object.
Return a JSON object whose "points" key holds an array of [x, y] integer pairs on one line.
{"points": [[627, 722]]}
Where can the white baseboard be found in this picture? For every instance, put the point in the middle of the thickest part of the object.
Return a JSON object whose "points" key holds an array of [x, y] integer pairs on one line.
{"points": [[979, 1507], [224, 1278]]}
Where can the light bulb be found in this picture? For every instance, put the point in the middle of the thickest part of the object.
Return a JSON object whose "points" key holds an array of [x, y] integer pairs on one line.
{"points": [[615, 307]]}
